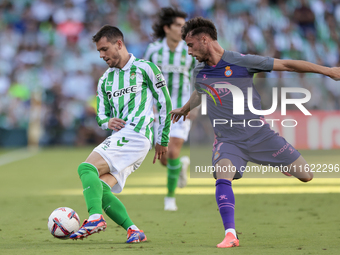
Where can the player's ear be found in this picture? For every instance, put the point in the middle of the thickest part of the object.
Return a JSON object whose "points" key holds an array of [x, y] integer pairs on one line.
{"points": [[166, 29], [204, 39], [120, 44]]}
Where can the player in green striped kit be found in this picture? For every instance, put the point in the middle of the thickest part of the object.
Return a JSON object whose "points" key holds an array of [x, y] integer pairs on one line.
{"points": [[170, 54], [125, 105]]}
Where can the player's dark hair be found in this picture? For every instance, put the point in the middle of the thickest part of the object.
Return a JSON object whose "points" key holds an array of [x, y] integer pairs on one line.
{"points": [[165, 17], [110, 32], [197, 26]]}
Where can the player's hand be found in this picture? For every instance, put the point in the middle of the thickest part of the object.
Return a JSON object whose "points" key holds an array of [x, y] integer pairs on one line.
{"points": [[177, 114], [116, 124], [335, 73], [159, 152]]}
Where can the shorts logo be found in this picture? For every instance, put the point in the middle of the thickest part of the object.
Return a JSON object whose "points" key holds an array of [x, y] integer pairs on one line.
{"points": [[217, 154], [122, 142], [132, 76], [287, 145], [106, 144], [228, 72]]}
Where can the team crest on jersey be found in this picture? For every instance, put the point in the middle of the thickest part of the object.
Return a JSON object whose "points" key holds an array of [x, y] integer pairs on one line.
{"points": [[216, 155], [132, 76], [228, 72]]}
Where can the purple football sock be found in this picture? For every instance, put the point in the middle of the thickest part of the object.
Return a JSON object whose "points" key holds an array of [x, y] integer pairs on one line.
{"points": [[226, 202]]}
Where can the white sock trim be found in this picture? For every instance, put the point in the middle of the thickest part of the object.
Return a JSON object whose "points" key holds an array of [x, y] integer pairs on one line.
{"points": [[95, 216], [233, 231], [133, 227], [106, 183]]}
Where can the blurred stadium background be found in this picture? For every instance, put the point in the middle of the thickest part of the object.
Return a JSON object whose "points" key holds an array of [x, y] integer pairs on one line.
{"points": [[49, 66]]}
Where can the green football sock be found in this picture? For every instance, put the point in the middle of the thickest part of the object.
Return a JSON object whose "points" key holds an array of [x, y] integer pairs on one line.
{"points": [[92, 187], [174, 168], [114, 208]]}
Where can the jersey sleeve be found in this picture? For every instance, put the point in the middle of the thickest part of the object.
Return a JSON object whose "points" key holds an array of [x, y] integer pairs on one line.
{"points": [[103, 106], [253, 63], [160, 92]]}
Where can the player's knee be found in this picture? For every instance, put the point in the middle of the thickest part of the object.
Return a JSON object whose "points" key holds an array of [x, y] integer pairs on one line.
{"points": [[311, 176], [172, 154], [308, 178], [164, 161]]}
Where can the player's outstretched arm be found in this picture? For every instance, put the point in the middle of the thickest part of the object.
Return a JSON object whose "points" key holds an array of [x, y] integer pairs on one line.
{"points": [[194, 101], [159, 152], [301, 66]]}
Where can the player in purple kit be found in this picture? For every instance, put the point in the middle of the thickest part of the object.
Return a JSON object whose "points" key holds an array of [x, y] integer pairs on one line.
{"points": [[237, 142]]}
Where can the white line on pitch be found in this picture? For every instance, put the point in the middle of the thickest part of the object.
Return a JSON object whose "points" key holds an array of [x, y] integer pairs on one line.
{"points": [[17, 155]]}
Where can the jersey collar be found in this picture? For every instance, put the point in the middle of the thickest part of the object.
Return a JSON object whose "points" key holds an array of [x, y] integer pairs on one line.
{"points": [[129, 63]]}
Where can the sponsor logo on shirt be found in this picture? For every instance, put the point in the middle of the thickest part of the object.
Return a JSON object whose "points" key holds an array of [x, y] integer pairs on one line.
{"points": [[160, 84], [121, 92], [228, 72], [174, 69]]}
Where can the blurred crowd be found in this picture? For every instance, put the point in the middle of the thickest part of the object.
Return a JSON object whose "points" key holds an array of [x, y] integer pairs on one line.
{"points": [[46, 50]]}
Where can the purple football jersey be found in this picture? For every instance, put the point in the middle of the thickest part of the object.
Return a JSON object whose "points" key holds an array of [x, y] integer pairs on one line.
{"points": [[238, 70]]}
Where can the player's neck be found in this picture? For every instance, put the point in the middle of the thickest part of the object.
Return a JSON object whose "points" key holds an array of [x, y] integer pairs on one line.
{"points": [[215, 53], [172, 44], [125, 58]]}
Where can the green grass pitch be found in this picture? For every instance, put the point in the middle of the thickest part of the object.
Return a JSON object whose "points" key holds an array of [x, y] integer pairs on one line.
{"points": [[279, 222]]}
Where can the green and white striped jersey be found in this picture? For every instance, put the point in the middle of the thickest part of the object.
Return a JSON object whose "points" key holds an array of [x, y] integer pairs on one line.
{"points": [[128, 94], [176, 68]]}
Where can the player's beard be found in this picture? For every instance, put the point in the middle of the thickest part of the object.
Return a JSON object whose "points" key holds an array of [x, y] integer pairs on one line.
{"points": [[203, 58], [114, 61]]}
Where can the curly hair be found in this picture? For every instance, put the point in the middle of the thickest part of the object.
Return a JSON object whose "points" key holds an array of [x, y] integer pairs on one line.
{"points": [[110, 32], [165, 17], [197, 26]]}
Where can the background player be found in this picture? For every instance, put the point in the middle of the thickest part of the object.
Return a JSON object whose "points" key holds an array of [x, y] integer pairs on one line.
{"points": [[125, 100], [170, 54], [236, 145]]}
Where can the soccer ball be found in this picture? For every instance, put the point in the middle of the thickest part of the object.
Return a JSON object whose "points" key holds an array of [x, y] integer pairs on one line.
{"points": [[63, 222]]}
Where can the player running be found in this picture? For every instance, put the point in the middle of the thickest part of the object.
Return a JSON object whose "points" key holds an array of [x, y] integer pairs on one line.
{"points": [[236, 145], [170, 54], [125, 100]]}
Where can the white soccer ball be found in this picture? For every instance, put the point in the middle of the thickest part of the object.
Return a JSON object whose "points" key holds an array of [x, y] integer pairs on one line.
{"points": [[63, 222]]}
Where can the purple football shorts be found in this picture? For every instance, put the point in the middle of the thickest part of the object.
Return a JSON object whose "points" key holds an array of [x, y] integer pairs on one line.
{"points": [[265, 147]]}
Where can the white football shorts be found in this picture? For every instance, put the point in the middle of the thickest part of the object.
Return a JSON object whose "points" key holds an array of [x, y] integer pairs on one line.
{"points": [[124, 152]]}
